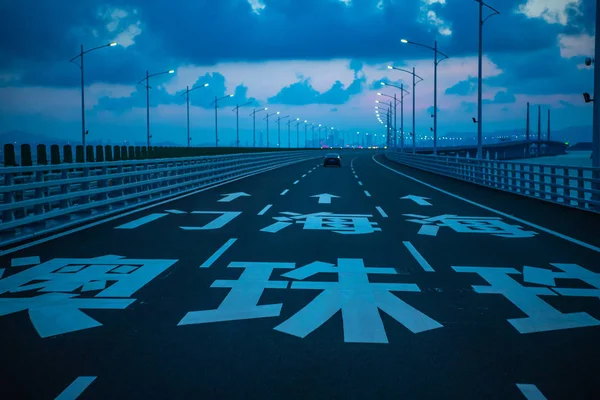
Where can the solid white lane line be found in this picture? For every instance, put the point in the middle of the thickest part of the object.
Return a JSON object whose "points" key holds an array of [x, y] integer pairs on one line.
{"points": [[211, 260], [360, 183], [522, 221], [141, 221], [142, 208], [383, 214], [531, 392], [368, 194], [296, 182], [264, 210], [284, 192], [420, 259], [76, 387]]}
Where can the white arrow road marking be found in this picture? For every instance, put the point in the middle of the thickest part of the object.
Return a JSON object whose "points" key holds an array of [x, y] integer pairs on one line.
{"points": [[422, 201], [325, 198], [232, 196], [420, 259]]}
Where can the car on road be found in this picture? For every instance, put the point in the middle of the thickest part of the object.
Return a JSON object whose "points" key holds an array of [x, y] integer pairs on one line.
{"points": [[332, 159]]}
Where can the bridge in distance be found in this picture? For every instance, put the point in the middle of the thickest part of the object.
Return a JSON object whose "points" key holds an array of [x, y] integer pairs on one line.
{"points": [[370, 281]]}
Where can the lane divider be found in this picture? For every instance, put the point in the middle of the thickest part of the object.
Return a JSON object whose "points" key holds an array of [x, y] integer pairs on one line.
{"points": [[304, 176], [284, 192], [211, 260], [417, 256], [383, 214], [360, 183], [264, 210], [368, 194], [296, 182]]}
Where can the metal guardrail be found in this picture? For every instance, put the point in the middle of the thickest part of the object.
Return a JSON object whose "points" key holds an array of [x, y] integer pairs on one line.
{"points": [[37, 200], [577, 187]]}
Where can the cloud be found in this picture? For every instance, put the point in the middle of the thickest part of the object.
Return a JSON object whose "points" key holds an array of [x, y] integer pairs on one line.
{"points": [[463, 88], [553, 12], [303, 93], [501, 97], [257, 6], [576, 45]]}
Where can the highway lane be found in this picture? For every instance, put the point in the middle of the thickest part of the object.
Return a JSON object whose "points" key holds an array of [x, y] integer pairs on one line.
{"points": [[434, 335]]}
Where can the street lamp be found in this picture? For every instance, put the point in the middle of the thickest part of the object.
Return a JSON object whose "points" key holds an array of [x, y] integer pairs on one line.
{"points": [[187, 100], [479, 75], [80, 55], [414, 76], [305, 122], [216, 103], [267, 118], [298, 122], [148, 87], [279, 130], [253, 114], [403, 92], [435, 65], [237, 121]]}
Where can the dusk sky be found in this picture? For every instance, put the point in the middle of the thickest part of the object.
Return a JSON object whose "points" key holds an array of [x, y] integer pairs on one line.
{"points": [[319, 60]]}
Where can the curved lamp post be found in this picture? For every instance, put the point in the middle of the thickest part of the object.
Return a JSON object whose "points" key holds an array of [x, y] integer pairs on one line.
{"points": [[267, 118], [216, 103], [187, 100], [414, 76], [253, 114], [279, 129], [148, 87], [80, 55], [237, 122], [436, 61]]}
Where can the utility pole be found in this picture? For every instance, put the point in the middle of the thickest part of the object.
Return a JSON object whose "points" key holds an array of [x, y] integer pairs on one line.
{"points": [[527, 129], [548, 136]]}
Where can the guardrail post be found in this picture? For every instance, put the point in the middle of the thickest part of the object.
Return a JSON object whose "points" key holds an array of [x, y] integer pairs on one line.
{"points": [[596, 188], [124, 153], [144, 153], [42, 157], [138, 153], [26, 155], [567, 183], [39, 192], [85, 186], [65, 188], [9, 197], [131, 153], [553, 183], [99, 153], [581, 201], [108, 156], [117, 150], [54, 154], [9, 155], [67, 153], [89, 153], [79, 154]]}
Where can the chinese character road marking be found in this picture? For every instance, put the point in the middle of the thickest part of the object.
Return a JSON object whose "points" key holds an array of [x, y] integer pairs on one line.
{"points": [[541, 316], [359, 301], [57, 309], [242, 301], [542, 276], [484, 225], [346, 224]]}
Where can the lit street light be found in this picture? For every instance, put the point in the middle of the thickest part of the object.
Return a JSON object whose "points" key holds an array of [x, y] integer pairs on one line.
{"points": [[237, 122], [216, 103], [403, 93], [414, 89], [435, 65], [253, 114], [148, 87], [187, 100], [279, 129], [80, 55], [267, 118]]}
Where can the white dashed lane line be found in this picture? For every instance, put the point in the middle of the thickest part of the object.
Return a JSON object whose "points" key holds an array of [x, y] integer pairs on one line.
{"points": [[296, 182], [304, 176], [368, 194], [383, 214], [264, 210], [360, 183], [284, 192]]}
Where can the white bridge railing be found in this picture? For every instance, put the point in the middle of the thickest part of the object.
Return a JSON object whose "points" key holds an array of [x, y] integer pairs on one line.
{"points": [[37, 200], [577, 187]]}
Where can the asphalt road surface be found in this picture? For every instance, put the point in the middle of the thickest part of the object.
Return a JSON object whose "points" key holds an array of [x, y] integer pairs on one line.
{"points": [[369, 281]]}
